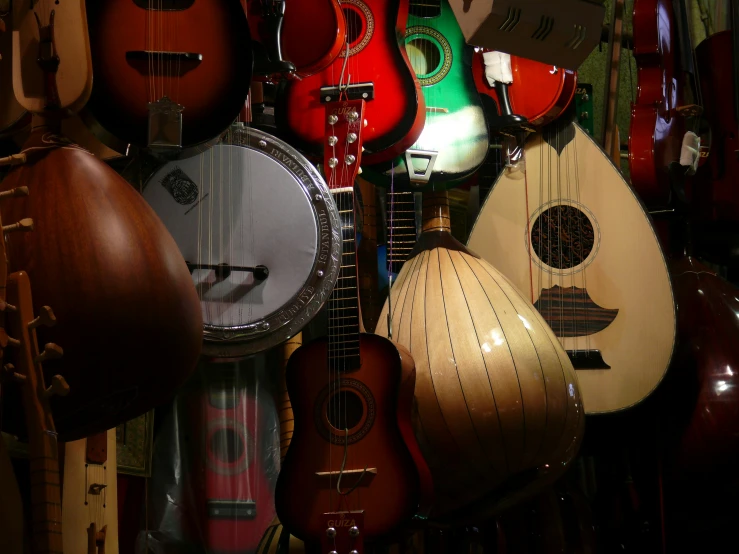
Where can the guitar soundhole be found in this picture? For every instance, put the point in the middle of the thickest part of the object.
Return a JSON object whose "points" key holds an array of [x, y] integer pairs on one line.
{"points": [[562, 237], [344, 410], [424, 56], [227, 446], [353, 26]]}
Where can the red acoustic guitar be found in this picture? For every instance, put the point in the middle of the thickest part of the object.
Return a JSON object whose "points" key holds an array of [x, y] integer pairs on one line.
{"points": [[656, 130], [377, 70], [539, 92], [166, 71], [353, 455]]}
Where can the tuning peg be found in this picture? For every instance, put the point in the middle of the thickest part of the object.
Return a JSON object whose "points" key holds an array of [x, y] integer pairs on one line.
{"points": [[25, 224], [6, 340], [13, 159], [46, 318], [59, 387], [359, 171], [8, 373], [51, 352], [14, 193], [5, 306]]}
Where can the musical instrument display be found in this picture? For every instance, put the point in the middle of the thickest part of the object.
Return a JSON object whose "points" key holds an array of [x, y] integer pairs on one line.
{"points": [[168, 74], [258, 230], [374, 68], [483, 355], [454, 141], [567, 236], [352, 456]]}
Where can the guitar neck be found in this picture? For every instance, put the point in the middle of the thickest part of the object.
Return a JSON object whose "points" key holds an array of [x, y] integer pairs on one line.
{"points": [[401, 232], [425, 8], [343, 306]]}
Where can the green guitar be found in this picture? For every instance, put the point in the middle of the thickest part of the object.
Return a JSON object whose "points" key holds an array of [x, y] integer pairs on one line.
{"points": [[454, 141]]}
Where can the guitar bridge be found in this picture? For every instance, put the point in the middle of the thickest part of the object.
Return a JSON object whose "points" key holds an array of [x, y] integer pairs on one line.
{"points": [[360, 91], [232, 509]]}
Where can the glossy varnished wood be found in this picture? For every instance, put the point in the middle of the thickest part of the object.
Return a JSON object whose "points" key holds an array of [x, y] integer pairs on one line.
{"points": [[11, 508], [211, 91], [625, 271], [499, 410], [130, 319], [301, 496], [395, 117]]}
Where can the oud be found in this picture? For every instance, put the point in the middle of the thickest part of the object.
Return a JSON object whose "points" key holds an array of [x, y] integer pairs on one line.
{"points": [[352, 454]]}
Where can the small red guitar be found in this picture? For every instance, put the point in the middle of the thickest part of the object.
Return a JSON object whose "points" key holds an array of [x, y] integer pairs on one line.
{"points": [[376, 70], [353, 463]]}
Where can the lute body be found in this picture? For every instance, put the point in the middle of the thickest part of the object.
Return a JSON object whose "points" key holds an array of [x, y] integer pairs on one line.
{"points": [[574, 238], [454, 141], [396, 113], [195, 53]]}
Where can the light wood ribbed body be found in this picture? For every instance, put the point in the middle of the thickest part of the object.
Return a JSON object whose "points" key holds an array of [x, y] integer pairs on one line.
{"points": [[622, 303], [498, 401]]}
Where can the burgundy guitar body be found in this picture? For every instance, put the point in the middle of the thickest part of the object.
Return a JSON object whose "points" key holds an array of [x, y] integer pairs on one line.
{"points": [[397, 112], [380, 437], [656, 130], [702, 413], [539, 92], [201, 60], [715, 194]]}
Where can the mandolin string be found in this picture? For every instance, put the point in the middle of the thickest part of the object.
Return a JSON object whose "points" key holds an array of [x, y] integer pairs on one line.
{"points": [[571, 249], [558, 205], [586, 314]]}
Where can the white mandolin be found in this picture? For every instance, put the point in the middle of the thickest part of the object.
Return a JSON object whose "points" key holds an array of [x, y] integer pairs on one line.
{"points": [[574, 238]]}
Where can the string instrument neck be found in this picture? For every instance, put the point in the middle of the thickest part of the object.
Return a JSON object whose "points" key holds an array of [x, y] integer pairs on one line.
{"points": [[436, 212], [401, 228]]}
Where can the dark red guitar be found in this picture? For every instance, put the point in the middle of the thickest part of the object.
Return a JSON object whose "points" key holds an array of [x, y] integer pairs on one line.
{"points": [[377, 70], [539, 92], [353, 455], [656, 131], [171, 59]]}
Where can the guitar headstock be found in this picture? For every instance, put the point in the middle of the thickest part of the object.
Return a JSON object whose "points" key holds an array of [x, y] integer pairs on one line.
{"points": [[344, 533], [342, 151]]}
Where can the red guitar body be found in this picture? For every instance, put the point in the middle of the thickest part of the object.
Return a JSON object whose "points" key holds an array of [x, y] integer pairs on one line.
{"points": [[656, 130], [714, 193], [397, 113], [539, 92], [313, 32], [211, 89], [234, 488], [380, 438]]}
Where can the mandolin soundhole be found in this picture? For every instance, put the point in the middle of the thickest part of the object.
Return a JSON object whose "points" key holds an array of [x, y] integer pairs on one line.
{"points": [[562, 237], [227, 446]]}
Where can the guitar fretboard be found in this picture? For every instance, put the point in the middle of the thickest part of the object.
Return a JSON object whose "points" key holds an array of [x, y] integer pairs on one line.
{"points": [[425, 8], [343, 306], [401, 228]]}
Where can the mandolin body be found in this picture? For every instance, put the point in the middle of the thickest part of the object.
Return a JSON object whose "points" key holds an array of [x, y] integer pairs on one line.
{"points": [[575, 239], [128, 315], [394, 117], [454, 141], [211, 90], [380, 437]]}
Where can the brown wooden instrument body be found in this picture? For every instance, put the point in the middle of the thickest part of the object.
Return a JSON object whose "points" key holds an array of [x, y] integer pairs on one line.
{"points": [[703, 400], [387, 496], [212, 90], [130, 319]]}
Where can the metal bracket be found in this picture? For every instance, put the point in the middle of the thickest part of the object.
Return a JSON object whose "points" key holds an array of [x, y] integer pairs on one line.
{"points": [[416, 176]]}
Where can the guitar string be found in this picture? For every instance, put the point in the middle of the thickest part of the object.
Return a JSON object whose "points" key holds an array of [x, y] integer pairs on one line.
{"points": [[572, 252], [581, 215]]}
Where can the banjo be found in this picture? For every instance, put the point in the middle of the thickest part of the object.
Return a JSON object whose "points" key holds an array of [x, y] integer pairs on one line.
{"points": [[259, 231]]}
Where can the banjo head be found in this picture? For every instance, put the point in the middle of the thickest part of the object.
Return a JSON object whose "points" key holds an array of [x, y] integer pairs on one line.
{"points": [[254, 204]]}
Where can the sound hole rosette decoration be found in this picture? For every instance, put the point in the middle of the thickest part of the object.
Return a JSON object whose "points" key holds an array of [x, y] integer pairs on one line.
{"points": [[259, 229], [229, 447], [575, 239]]}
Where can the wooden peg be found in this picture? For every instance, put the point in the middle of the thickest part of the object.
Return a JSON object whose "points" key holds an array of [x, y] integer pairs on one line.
{"points": [[9, 373], [51, 352], [689, 110], [46, 318], [5, 306], [59, 387], [17, 192], [6, 340], [25, 224], [13, 159]]}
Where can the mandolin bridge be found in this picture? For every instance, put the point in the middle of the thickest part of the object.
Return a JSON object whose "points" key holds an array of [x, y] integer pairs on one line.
{"points": [[232, 509]]}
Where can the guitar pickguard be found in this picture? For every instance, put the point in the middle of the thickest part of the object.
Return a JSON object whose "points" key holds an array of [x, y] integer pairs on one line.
{"points": [[570, 312]]}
